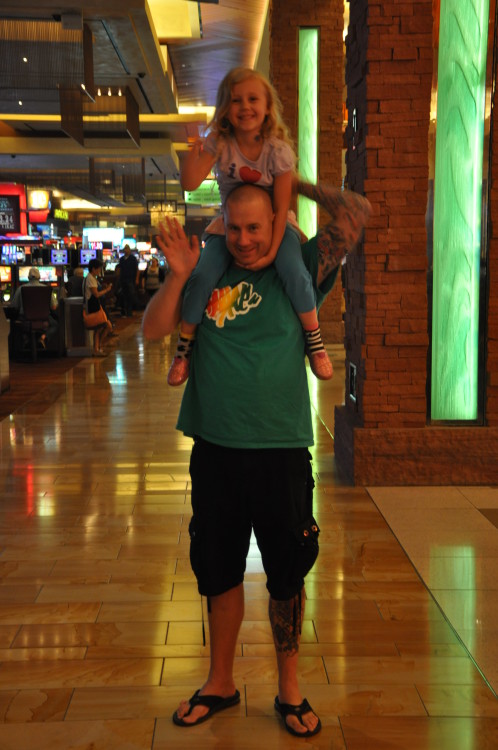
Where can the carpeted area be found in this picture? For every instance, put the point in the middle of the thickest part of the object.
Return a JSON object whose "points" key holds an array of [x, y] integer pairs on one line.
{"points": [[32, 381]]}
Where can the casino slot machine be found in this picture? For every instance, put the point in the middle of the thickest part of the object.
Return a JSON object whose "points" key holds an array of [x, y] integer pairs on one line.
{"points": [[6, 284]]}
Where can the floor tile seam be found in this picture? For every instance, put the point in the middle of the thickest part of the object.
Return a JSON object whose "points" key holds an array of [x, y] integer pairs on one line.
{"points": [[437, 603]]}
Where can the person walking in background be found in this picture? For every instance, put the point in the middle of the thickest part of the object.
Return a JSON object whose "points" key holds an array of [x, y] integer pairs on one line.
{"points": [[127, 270]]}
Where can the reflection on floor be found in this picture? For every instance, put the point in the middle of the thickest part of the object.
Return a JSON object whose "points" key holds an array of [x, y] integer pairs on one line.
{"points": [[100, 621]]}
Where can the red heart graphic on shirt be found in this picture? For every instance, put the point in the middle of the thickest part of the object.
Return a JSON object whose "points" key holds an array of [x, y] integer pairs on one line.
{"points": [[249, 175]]}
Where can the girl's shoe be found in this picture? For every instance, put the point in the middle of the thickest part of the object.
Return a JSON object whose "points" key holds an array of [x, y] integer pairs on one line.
{"points": [[179, 371], [320, 364]]}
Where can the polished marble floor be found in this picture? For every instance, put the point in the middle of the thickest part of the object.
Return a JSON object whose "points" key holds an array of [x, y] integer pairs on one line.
{"points": [[100, 621]]}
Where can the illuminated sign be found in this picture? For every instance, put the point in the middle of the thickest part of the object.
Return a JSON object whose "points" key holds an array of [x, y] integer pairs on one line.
{"points": [[59, 213], [10, 216], [5, 274], [38, 200], [113, 235], [207, 194]]}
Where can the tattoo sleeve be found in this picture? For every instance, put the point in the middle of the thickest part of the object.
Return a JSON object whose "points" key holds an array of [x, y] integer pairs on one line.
{"points": [[348, 211], [286, 618]]}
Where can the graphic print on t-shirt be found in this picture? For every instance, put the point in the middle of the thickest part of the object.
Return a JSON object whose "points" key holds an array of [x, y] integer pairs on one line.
{"points": [[247, 174], [229, 302]]}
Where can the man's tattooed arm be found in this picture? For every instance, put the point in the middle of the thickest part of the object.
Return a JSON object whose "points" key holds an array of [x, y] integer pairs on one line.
{"points": [[348, 211]]}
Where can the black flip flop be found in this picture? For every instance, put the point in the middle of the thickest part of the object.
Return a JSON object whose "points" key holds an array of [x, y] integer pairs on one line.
{"points": [[213, 702], [287, 709]]}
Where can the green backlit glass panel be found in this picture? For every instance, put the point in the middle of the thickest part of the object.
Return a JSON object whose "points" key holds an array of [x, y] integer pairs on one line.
{"points": [[457, 208], [308, 125], [207, 194]]}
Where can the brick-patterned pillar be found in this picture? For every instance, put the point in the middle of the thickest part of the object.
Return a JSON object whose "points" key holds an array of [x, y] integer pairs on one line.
{"points": [[383, 436], [286, 17], [389, 75]]}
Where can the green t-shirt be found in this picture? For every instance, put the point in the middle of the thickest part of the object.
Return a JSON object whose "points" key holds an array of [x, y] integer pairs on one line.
{"points": [[247, 386]]}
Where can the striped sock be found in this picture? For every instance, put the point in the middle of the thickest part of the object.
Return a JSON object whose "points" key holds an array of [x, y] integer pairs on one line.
{"points": [[184, 345], [314, 341]]}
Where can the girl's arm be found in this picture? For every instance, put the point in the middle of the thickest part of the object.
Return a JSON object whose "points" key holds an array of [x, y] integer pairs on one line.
{"points": [[282, 193], [196, 166], [162, 314]]}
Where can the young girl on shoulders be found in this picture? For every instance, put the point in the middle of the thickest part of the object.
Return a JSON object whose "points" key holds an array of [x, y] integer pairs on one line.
{"points": [[248, 142]]}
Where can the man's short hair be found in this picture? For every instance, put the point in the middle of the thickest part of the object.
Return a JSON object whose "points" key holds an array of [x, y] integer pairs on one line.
{"points": [[33, 273], [246, 192]]}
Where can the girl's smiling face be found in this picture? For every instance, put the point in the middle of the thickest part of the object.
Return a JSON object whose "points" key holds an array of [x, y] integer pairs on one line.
{"points": [[248, 106]]}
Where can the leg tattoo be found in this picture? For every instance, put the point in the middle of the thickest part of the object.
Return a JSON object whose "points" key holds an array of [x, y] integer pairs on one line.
{"points": [[286, 618]]}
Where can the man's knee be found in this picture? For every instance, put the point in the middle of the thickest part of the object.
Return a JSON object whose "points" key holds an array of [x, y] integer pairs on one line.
{"points": [[216, 564], [287, 579]]}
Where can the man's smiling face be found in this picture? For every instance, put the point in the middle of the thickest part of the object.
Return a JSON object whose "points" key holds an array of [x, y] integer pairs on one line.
{"points": [[248, 224]]}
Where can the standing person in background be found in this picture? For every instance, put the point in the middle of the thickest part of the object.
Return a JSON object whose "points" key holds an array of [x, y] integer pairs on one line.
{"points": [[247, 407], [248, 143], [127, 270], [153, 277]]}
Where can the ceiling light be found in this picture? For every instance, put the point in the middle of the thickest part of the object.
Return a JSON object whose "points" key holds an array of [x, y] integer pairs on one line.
{"points": [[20, 103], [25, 59]]}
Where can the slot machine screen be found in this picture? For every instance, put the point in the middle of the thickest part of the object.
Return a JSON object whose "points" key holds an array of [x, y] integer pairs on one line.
{"points": [[5, 284], [86, 256], [58, 257], [23, 272], [5, 275], [48, 274], [9, 254]]}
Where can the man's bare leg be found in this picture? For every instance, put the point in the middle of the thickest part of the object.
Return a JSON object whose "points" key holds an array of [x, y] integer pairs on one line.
{"points": [[225, 618], [286, 619]]}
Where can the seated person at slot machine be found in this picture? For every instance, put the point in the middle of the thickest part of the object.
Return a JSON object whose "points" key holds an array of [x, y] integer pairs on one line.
{"points": [[108, 287], [34, 280], [75, 283]]}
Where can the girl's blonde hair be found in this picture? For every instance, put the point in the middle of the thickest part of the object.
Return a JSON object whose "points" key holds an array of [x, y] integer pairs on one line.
{"points": [[273, 124]]}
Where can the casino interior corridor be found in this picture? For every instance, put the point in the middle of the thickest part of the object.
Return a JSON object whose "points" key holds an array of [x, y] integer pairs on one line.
{"points": [[100, 620]]}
